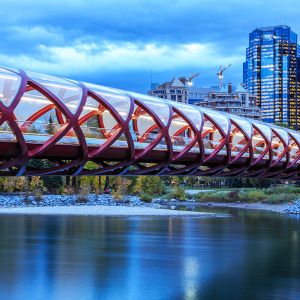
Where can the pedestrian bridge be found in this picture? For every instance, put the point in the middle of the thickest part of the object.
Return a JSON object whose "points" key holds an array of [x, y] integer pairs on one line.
{"points": [[56, 126]]}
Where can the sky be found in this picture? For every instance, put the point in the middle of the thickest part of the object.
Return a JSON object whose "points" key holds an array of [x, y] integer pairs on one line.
{"points": [[121, 43]]}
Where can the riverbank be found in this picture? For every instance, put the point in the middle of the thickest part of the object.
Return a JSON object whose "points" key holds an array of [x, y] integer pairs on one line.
{"points": [[281, 200], [279, 208], [100, 210], [106, 205], [284, 208], [95, 205]]}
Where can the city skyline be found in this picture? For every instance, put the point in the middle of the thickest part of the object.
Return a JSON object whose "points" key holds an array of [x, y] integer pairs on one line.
{"points": [[118, 44]]}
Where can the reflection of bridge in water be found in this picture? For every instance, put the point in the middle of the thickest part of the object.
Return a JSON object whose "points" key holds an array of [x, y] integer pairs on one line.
{"points": [[82, 128]]}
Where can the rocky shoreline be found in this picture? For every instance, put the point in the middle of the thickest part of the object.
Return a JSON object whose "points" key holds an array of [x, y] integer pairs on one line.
{"points": [[16, 200], [103, 200], [96, 205]]}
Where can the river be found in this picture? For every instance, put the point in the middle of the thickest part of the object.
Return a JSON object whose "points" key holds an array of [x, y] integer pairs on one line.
{"points": [[245, 255]]}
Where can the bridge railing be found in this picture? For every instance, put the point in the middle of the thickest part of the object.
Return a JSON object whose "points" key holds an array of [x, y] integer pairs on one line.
{"points": [[37, 131]]}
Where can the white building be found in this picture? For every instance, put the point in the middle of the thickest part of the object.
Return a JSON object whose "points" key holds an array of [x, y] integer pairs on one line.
{"points": [[233, 99], [176, 90]]}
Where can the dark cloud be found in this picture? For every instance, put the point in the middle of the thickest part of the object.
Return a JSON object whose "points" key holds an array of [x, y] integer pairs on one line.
{"points": [[26, 25]]}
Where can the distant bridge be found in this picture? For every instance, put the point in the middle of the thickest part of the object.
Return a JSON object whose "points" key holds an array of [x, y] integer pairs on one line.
{"points": [[56, 126]]}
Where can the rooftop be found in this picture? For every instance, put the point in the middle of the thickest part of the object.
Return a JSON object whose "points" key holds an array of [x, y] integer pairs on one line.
{"points": [[236, 88], [175, 82], [268, 28]]}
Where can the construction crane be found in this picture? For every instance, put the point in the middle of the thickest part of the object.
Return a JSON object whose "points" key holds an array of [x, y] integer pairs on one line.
{"points": [[188, 80], [220, 74]]}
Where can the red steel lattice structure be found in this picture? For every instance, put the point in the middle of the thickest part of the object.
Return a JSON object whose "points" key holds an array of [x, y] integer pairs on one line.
{"points": [[56, 126]]}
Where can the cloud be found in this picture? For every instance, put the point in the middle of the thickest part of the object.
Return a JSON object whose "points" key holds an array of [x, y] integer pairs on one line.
{"points": [[37, 34], [83, 38], [110, 56]]}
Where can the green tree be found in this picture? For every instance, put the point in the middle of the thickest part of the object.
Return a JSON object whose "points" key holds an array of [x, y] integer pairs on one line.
{"points": [[52, 183], [9, 184], [120, 187], [37, 187], [50, 127], [151, 185]]}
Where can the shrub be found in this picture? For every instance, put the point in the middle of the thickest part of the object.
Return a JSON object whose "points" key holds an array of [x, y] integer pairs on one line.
{"points": [[189, 196], [27, 199], [81, 198], [37, 187], [233, 196], [68, 191], [152, 185], [9, 184], [281, 198], [35, 183], [199, 196], [120, 189], [21, 183], [146, 197], [290, 189], [217, 197], [296, 190], [267, 196], [253, 196], [53, 183], [83, 194], [178, 193], [38, 195]]}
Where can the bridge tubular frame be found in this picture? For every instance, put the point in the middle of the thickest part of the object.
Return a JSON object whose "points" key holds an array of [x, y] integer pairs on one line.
{"points": [[55, 126]]}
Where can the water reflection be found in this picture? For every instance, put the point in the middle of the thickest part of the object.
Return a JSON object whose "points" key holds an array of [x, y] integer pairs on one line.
{"points": [[251, 255]]}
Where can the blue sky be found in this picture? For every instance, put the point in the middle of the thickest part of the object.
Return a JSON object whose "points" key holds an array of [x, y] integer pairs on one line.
{"points": [[118, 43]]}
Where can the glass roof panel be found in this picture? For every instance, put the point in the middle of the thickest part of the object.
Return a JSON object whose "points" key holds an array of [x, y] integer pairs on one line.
{"points": [[159, 107], [120, 101], [190, 112], [221, 119], [9, 86], [243, 123], [68, 92]]}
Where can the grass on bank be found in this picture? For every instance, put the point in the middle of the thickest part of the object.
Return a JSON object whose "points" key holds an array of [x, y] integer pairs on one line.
{"points": [[272, 195]]}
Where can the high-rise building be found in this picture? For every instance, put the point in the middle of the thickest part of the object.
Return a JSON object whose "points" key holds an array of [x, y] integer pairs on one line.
{"points": [[271, 72]]}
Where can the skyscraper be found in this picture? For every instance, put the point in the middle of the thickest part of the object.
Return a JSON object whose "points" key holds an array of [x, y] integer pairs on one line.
{"points": [[271, 72]]}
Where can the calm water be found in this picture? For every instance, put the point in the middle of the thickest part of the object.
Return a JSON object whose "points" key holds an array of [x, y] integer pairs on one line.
{"points": [[249, 255]]}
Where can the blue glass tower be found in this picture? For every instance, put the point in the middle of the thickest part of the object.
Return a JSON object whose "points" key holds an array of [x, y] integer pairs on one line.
{"points": [[271, 71]]}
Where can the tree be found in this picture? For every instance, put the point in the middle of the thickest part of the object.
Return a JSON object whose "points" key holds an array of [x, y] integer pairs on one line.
{"points": [[50, 127], [37, 187], [52, 183], [120, 189], [151, 185], [21, 184], [84, 189], [9, 184]]}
